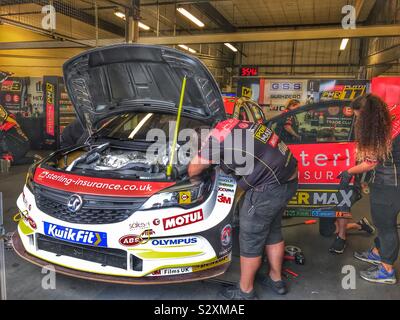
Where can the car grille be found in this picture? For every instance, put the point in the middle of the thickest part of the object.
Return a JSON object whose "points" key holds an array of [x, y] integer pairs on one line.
{"points": [[104, 256], [95, 209]]}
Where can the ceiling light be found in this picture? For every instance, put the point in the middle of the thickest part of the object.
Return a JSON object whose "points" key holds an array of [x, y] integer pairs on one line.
{"points": [[119, 14], [231, 47], [191, 17], [184, 47], [344, 43], [143, 26]]}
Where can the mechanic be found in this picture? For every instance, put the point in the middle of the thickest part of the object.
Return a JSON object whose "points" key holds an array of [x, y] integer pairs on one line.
{"points": [[291, 126], [377, 132], [269, 184], [14, 144]]}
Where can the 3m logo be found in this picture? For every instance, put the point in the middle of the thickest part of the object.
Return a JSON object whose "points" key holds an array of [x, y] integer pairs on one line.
{"points": [[183, 219], [224, 199]]}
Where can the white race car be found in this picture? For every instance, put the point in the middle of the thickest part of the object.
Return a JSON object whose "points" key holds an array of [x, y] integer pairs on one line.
{"points": [[104, 211]]}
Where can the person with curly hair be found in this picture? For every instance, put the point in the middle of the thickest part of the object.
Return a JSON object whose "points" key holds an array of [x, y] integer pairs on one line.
{"points": [[378, 150]]}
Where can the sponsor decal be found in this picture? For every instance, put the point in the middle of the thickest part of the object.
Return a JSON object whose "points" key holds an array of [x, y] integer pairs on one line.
{"points": [[224, 199], [320, 198], [182, 220], [172, 271], [226, 235], [243, 125], [229, 185], [226, 180], [225, 190], [93, 238], [343, 92], [273, 142], [130, 240], [225, 251], [50, 112], [139, 225], [97, 186], [185, 197], [322, 166], [174, 242], [263, 134], [156, 222], [32, 223], [331, 214], [213, 264]]}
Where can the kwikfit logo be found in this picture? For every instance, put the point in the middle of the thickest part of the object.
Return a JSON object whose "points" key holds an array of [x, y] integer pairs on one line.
{"points": [[98, 239], [183, 219]]}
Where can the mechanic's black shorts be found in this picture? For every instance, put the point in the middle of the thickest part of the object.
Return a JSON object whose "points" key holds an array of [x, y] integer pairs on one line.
{"points": [[261, 217]]}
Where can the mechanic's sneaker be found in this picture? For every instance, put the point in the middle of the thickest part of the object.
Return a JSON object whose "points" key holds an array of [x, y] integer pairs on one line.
{"points": [[235, 293], [279, 287], [368, 256], [378, 274], [366, 226], [338, 246]]}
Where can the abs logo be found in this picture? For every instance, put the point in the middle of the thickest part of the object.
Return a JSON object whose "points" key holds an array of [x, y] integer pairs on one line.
{"points": [[226, 235]]}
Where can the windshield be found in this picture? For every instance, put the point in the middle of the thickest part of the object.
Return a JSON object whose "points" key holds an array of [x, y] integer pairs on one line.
{"points": [[136, 126]]}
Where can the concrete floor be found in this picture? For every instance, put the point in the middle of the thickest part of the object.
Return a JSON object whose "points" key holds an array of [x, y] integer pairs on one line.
{"points": [[320, 278]]}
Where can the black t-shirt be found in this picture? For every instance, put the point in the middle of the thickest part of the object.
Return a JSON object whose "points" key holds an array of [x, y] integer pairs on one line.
{"points": [[251, 152]]}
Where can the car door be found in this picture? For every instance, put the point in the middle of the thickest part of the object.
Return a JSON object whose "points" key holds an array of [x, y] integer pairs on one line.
{"points": [[326, 148]]}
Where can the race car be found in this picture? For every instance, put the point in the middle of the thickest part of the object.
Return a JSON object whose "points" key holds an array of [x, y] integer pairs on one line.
{"points": [[326, 148], [106, 211]]}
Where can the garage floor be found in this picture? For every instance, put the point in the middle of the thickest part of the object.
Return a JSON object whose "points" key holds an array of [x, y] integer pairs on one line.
{"points": [[320, 278]]}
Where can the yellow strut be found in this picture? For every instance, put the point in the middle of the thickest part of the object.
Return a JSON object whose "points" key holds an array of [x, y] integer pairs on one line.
{"points": [[178, 122]]}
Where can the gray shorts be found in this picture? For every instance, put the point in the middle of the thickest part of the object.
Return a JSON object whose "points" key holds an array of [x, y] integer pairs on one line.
{"points": [[261, 217]]}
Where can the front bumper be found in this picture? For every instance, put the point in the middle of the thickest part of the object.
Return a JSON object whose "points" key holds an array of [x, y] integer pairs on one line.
{"points": [[210, 270], [178, 253]]}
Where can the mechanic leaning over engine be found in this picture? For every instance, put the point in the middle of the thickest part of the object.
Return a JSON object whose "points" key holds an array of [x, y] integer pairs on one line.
{"points": [[377, 132], [270, 178]]}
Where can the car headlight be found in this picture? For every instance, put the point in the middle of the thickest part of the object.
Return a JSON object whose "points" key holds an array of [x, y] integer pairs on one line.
{"points": [[29, 177], [184, 195]]}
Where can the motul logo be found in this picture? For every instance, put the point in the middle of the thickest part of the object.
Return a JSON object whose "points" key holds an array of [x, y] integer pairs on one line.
{"points": [[183, 220]]}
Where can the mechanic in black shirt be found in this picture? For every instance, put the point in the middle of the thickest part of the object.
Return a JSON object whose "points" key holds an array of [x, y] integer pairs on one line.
{"points": [[378, 136], [266, 169]]}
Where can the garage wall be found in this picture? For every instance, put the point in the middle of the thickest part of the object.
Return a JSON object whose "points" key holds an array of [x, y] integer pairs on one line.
{"points": [[312, 58], [31, 63], [384, 12]]}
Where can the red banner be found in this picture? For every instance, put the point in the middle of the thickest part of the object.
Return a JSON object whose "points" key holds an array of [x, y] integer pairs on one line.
{"points": [[97, 186], [322, 163]]}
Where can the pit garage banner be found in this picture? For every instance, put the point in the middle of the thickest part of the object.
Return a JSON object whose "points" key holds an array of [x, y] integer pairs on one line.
{"points": [[345, 90], [318, 194], [12, 94], [388, 89], [274, 94]]}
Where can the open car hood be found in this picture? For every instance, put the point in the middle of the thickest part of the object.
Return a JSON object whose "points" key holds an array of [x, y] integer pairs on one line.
{"points": [[121, 78]]}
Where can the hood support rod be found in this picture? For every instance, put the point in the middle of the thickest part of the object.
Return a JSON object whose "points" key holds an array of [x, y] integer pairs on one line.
{"points": [[178, 122]]}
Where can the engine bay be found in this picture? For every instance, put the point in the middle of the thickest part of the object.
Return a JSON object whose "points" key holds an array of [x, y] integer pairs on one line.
{"points": [[108, 160]]}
